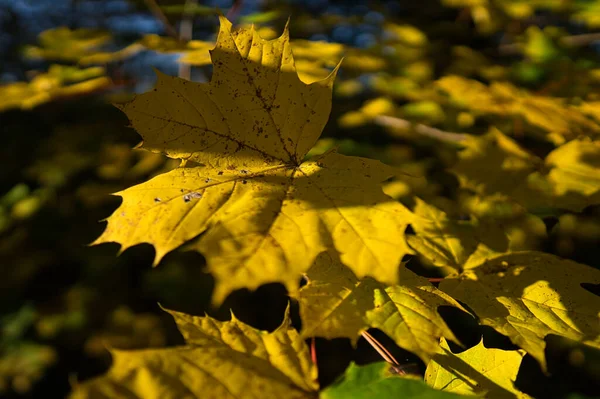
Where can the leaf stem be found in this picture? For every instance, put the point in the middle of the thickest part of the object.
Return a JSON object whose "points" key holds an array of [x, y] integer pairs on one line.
{"points": [[383, 352], [313, 350]]}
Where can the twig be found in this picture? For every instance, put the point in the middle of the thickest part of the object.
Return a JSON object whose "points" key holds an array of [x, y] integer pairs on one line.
{"points": [[155, 9], [383, 352], [313, 350], [186, 30], [424, 130], [435, 279], [234, 10]]}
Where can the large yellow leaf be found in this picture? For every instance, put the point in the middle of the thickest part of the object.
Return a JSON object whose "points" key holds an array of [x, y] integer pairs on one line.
{"points": [[220, 360], [454, 243], [265, 215], [528, 295], [477, 371], [335, 303]]}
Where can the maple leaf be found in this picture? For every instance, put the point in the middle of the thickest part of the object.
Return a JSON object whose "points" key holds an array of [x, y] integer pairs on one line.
{"points": [[453, 243], [558, 122], [265, 214], [476, 371], [377, 381], [220, 359], [335, 303], [528, 295], [566, 179]]}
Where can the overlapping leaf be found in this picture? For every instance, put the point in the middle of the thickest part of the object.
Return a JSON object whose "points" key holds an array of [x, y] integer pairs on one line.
{"points": [[477, 371], [454, 243], [528, 295], [567, 178], [220, 360], [265, 215], [335, 304]]}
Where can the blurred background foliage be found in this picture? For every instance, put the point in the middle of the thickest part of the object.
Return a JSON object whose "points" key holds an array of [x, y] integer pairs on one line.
{"points": [[490, 109]]}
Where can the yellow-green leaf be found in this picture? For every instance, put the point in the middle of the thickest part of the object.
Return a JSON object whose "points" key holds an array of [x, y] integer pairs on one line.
{"points": [[496, 164], [558, 122], [265, 215], [528, 295], [453, 243], [220, 360], [60, 81], [335, 303], [78, 45], [477, 371]]}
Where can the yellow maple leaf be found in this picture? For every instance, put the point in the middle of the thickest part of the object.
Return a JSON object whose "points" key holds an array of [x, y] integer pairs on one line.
{"points": [[335, 303], [265, 214], [567, 178], [528, 295], [454, 243], [477, 371], [220, 360]]}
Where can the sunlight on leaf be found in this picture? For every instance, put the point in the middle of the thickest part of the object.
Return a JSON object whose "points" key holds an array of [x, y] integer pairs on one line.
{"points": [[454, 243], [265, 214], [477, 371], [528, 295], [336, 304]]}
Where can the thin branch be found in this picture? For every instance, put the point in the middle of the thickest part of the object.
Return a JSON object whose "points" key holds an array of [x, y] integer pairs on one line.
{"points": [[186, 30], [234, 10], [397, 123], [160, 15]]}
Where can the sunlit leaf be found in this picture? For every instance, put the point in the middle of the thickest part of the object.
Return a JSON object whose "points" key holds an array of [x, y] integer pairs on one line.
{"points": [[265, 214], [528, 295], [480, 371], [454, 243], [335, 303]]}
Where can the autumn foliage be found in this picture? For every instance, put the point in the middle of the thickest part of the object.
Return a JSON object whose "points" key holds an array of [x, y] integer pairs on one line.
{"points": [[247, 197]]}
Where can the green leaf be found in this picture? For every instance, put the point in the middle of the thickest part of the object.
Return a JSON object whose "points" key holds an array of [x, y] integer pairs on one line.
{"points": [[265, 214], [378, 382], [335, 303], [477, 371], [220, 359], [528, 295]]}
